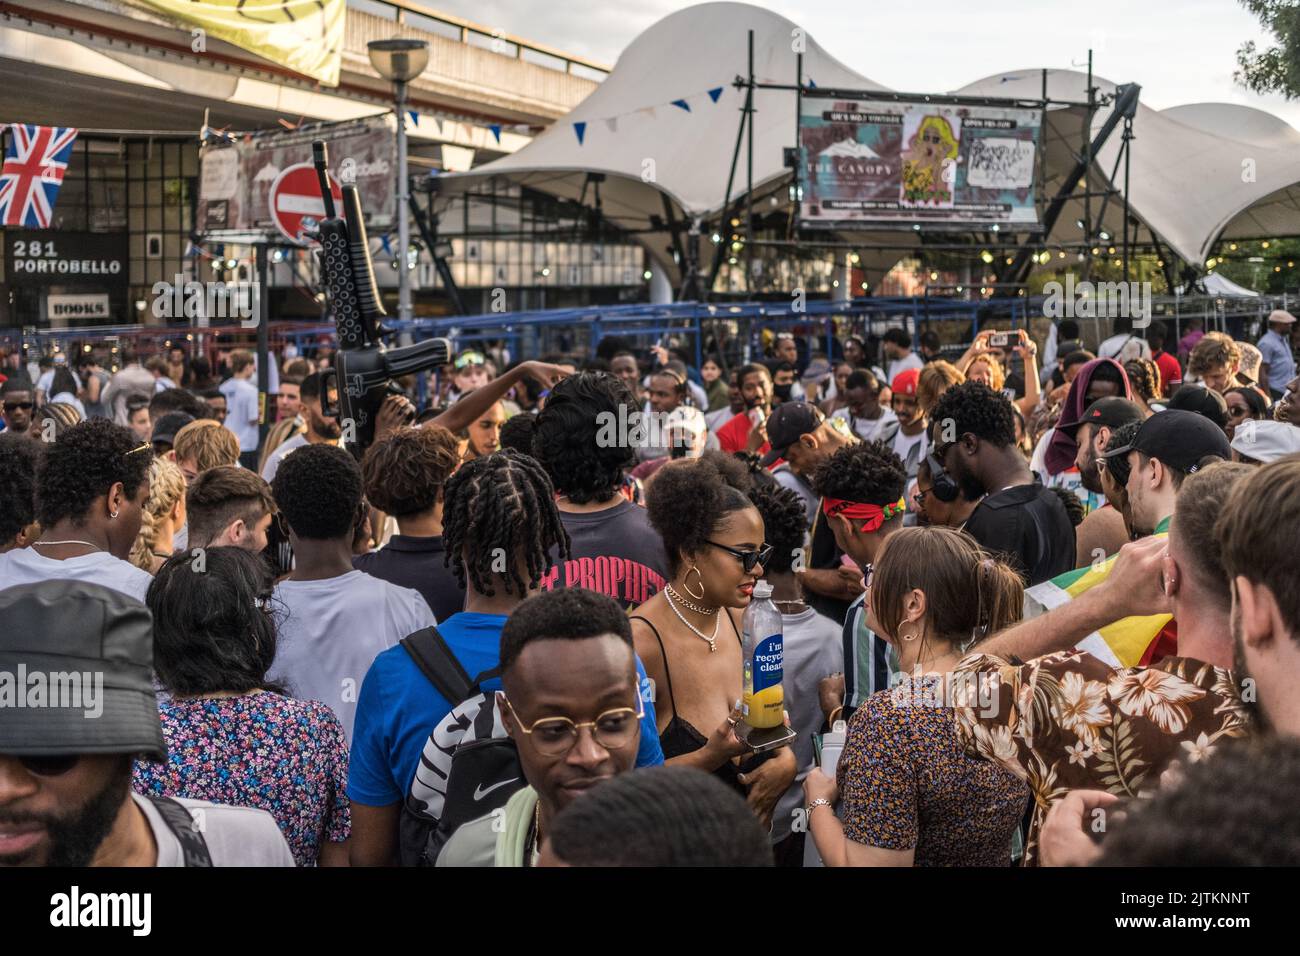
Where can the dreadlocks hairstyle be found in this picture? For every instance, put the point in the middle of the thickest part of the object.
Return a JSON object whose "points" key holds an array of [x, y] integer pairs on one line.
{"points": [[1073, 506], [690, 497], [785, 523], [977, 410], [56, 418], [571, 439], [404, 472], [84, 464], [502, 504], [662, 816], [19, 456], [866, 472], [166, 487]]}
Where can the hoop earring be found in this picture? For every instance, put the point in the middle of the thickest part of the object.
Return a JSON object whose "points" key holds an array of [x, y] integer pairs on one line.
{"points": [[700, 596], [904, 636], [112, 514]]}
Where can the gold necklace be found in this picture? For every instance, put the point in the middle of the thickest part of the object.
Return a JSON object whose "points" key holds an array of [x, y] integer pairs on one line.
{"points": [[698, 609], [717, 622]]}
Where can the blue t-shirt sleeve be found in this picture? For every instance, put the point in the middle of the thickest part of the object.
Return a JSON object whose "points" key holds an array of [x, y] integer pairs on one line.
{"points": [[649, 753], [370, 775]]}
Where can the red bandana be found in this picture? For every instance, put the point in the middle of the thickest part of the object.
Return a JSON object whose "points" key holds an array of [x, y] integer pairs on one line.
{"points": [[872, 516]]}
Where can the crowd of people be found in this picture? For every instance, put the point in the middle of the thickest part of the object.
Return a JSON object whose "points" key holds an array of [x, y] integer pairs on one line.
{"points": [[511, 631]]}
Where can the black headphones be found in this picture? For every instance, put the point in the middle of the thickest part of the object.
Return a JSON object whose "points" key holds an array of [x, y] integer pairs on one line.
{"points": [[945, 489]]}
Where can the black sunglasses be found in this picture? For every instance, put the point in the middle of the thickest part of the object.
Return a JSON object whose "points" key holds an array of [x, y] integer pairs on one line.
{"points": [[20, 406], [48, 765], [747, 558]]}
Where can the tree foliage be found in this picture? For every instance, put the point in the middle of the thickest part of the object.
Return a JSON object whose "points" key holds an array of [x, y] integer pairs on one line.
{"points": [[1275, 69]]}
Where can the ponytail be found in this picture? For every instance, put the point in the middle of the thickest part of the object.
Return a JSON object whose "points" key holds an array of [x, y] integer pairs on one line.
{"points": [[1001, 597]]}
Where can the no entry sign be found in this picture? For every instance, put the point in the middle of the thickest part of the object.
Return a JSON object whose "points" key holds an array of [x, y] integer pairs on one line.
{"points": [[296, 204]]}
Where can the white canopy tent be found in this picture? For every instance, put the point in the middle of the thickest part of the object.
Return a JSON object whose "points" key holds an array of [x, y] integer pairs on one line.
{"points": [[1190, 181]]}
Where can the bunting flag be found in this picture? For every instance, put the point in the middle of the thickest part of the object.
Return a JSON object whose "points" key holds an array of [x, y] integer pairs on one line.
{"points": [[496, 131], [683, 103], [34, 165], [415, 117]]}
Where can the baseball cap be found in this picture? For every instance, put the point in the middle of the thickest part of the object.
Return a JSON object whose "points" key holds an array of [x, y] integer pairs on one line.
{"points": [[1178, 439], [165, 428], [1111, 412], [94, 639], [786, 424], [1203, 401], [1265, 441], [1281, 315], [905, 382]]}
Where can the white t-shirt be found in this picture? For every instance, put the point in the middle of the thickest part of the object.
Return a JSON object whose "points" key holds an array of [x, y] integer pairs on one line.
{"points": [[236, 836], [29, 566], [898, 366], [241, 411], [910, 448], [812, 649], [273, 460], [868, 429], [332, 631]]}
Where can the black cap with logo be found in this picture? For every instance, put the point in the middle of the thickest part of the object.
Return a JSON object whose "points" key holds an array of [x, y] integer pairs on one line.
{"points": [[1178, 440], [787, 423]]}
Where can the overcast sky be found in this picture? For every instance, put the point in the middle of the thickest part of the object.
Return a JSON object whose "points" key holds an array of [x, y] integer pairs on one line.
{"points": [[1181, 51]]}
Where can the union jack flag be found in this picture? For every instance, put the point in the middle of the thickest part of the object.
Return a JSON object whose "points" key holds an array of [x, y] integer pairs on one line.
{"points": [[35, 162]]}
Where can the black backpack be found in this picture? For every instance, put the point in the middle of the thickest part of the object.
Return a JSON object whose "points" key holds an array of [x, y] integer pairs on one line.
{"points": [[469, 767]]}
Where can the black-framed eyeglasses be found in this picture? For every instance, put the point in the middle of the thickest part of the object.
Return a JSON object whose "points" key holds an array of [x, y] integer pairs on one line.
{"points": [[556, 736], [48, 765], [747, 558]]}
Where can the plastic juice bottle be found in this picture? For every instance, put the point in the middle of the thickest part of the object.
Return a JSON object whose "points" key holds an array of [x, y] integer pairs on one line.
{"points": [[763, 703]]}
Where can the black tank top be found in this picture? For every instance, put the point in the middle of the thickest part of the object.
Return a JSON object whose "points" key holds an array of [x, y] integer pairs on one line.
{"points": [[681, 737]]}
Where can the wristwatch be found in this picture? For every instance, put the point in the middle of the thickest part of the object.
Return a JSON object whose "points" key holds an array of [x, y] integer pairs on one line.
{"points": [[819, 802]]}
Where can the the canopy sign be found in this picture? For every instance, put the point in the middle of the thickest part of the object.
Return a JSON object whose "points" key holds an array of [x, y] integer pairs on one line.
{"points": [[898, 164]]}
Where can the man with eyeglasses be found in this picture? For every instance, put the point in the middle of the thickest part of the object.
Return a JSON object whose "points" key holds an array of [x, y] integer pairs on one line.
{"points": [[16, 404], [65, 761], [572, 704]]}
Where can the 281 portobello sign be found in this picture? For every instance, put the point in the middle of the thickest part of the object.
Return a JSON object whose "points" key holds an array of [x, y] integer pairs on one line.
{"points": [[49, 257]]}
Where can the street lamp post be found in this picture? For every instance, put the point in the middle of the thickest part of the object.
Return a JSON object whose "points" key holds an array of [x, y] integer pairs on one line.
{"points": [[400, 61]]}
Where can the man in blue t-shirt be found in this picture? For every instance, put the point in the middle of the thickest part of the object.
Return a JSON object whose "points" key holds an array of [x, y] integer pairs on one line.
{"points": [[495, 506]]}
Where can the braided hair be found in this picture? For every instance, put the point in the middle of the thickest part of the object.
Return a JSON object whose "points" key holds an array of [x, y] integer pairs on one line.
{"points": [[166, 487], [1144, 377], [501, 504]]}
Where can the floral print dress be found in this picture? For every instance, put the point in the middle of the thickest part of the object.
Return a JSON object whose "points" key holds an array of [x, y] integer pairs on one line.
{"points": [[278, 754], [1070, 721]]}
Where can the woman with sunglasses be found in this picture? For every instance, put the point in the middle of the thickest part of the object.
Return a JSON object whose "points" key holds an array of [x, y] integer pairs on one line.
{"points": [[688, 635], [1244, 404], [909, 794], [233, 737]]}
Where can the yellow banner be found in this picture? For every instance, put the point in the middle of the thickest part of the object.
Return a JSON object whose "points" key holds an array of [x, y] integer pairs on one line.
{"points": [[304, 35]]}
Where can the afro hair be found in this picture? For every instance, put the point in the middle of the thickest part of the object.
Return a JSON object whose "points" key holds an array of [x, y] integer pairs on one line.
{"points": [[318, 490], [83, 465], [689, 498]]}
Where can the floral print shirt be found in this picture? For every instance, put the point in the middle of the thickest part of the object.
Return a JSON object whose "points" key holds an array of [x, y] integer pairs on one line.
{"points": [[907, 784], [261, 750], [1070, 721]]}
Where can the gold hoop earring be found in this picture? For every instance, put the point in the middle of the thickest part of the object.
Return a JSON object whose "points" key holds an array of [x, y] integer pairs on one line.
{"points": [[905, 637], [700, 596]]}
